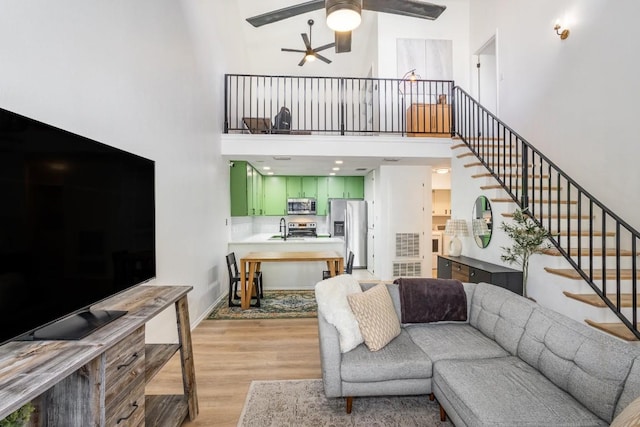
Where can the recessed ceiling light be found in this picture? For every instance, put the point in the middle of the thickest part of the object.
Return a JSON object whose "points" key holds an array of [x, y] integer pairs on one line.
{"points": [[267, 168], [391, 159], [442, 171], [269, 173], [335, 169], [339, 162], [332, 173]]}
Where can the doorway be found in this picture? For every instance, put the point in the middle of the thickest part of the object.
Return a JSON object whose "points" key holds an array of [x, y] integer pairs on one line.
{"points": [[487, 75]]}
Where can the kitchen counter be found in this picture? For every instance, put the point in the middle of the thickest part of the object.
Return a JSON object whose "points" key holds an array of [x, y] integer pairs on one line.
{"points": [[268, 238], [298, 275]]}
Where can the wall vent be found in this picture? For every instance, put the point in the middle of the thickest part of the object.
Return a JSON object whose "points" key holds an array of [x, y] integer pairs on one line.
{"points": [[407, 269], [408, 245]]}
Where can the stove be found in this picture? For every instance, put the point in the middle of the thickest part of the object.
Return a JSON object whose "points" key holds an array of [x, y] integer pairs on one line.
{"points": [[302, 229]]}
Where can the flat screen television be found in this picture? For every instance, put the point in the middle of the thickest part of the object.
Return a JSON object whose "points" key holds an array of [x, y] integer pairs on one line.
{"points": [[77, 225]]}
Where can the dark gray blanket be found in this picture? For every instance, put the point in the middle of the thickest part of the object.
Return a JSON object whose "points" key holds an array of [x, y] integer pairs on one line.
{"points": [[432, 300]]}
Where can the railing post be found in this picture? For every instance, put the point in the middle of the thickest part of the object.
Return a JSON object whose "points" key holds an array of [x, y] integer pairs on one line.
{"points": [[226, 101], [452, 116], [525, 177], [342, 89]]}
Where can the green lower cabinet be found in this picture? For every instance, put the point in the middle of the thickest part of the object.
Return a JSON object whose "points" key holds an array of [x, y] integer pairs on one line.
{"points": [[275, 195]]}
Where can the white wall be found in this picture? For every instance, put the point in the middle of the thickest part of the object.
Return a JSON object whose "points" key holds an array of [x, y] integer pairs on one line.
{"points": [[139, 76], [402, 205], [453, 25], [576, 100]]}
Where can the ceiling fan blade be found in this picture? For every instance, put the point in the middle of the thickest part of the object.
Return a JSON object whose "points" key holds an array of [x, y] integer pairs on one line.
{"points": [[304, 59], [413, 8], [326, 46], [285, 12], [343, 41], [322, 58], [306, 41], [284, 49]]}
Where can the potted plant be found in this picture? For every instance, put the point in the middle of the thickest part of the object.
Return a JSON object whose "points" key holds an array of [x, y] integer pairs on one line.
{"points": [[528, 238], [18, 418]]}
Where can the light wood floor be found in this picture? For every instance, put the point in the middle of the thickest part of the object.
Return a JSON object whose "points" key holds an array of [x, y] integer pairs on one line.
{"points": [[229, 354]]}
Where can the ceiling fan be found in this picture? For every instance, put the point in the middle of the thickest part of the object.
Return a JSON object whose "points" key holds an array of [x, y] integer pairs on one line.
{"points": [[344, 15], [310, 54]]}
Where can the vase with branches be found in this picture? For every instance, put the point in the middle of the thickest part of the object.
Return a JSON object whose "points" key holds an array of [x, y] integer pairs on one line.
{"points": [[528, 239]]}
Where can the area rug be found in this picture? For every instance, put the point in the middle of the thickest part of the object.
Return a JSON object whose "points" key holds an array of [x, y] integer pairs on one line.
{"points": [[274, 305], [303, 403]]}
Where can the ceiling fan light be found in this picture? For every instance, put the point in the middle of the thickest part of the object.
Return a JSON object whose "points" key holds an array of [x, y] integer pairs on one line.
{"points": [[343, 15], [310, 57]]}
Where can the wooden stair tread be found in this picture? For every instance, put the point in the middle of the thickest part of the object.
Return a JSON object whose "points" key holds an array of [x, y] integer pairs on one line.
{"points": [[570, 273], [584, 233], [553, 216], [500, 187], [616, 329], [513, 175], [493, 164], [585, 252], [554, 202], [626, 300]]}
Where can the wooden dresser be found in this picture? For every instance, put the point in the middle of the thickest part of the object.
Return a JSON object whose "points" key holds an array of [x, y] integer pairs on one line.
{"points": [[100, 380], [475, 271], [429, 120]]}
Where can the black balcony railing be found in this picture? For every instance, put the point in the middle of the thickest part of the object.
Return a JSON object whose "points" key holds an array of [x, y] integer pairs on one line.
{"points": [[338, 105], [599, 245]]}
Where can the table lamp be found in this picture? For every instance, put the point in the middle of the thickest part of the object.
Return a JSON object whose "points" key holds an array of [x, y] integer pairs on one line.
{"points": [[455, 228]]}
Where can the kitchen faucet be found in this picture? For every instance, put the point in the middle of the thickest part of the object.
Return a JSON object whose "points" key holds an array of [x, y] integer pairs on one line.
{"points": [[283, 228]]}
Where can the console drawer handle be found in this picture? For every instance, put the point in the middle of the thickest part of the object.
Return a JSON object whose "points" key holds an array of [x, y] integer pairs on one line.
{"points": [[134, 357], [135, 408]]}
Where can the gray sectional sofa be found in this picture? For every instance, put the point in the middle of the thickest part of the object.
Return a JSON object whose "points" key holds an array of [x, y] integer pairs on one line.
{"points": [[513, 363]]}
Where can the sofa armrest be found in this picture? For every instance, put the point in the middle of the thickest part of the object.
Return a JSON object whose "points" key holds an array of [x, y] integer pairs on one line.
{"points": [[330, 357]]}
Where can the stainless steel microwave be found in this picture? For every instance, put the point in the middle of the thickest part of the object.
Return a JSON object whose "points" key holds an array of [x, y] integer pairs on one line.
{"points": [[301, 206]]}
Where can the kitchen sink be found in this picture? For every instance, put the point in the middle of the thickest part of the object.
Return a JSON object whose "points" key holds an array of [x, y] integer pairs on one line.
{"points": [[279, 237]]}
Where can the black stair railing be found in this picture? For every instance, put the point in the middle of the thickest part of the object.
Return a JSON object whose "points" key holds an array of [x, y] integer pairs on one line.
{"points": [[597, 243], [337, 105]]}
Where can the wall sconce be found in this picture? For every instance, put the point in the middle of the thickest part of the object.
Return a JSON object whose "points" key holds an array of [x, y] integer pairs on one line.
{"points": [[563, 34]]}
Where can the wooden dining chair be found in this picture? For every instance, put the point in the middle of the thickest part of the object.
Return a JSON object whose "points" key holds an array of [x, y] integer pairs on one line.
{"points": [[348, 269], [234, 280]]}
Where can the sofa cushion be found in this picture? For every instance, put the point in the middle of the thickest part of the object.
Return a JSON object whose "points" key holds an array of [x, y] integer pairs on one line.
{"points": [[376, 316], [589, 365], [506, 392], [500, 314], [442, 341], [631, 387], [400, 359], [331, 296]]}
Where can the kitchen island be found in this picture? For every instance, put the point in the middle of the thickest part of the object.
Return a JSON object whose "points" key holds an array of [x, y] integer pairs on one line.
{"points": [[282, 275]]}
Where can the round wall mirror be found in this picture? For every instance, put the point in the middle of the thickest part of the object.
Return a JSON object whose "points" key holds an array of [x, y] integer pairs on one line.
{"points": [[482, 221]]}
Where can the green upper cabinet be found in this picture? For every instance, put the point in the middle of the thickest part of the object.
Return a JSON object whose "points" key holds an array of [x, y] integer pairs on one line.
{"points": [[275, 195], [354, 187], [323, 195], [302, 186], [246, 190], [238, 190], [335, 187], [345, 187], [294, 186], [310, 186]]}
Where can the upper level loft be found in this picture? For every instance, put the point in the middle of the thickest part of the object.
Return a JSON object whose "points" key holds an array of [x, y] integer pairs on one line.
{"points": [[338, 106]]}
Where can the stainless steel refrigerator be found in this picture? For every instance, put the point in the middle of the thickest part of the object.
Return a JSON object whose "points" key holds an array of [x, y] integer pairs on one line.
{"points": [[348, 221]]}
